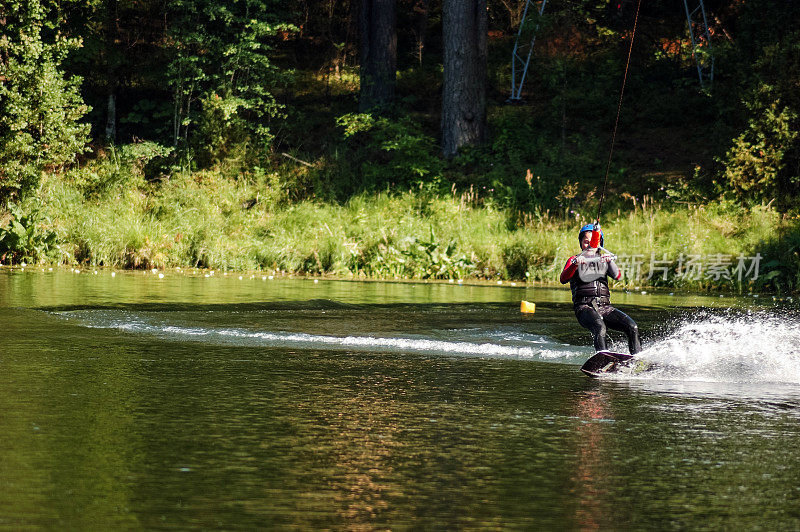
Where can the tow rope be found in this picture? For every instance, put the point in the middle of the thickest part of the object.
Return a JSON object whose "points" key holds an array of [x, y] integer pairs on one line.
{"points": [[595, 242]]}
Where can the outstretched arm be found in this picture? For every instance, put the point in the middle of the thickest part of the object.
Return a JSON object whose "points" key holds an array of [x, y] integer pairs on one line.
{"points": [[569, 270]]}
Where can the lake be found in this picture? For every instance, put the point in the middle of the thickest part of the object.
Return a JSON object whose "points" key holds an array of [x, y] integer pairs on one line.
{"points": [[238, 401]]}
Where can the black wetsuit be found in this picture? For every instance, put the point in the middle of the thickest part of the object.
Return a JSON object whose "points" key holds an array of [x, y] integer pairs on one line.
{"points": [[591, 301]]}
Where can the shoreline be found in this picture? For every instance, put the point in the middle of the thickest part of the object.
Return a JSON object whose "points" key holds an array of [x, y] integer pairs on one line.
{"points": [[265, 275], [410, 236]]}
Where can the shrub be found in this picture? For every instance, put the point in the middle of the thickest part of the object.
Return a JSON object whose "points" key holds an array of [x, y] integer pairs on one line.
{"points": [[42, 131], [25, 237], [388, 153], [755, 166], [119, 168]]}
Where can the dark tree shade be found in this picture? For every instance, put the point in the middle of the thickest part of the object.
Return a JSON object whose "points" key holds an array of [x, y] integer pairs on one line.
{"points": [[464, 90], [111, 59], [377, 26]]}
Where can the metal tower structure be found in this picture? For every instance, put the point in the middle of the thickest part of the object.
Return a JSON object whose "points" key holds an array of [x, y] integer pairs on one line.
{"points": [[701, 40], [698, 31], [519, 64]]}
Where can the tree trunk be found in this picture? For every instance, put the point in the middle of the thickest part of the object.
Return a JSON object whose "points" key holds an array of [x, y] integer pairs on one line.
{"points": [[421, 26], [378, 35], [111, 71], [464, 91], [111, 117]]}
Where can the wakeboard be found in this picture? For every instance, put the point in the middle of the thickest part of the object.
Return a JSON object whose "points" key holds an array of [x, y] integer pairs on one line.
{"points": [[604, 362]]}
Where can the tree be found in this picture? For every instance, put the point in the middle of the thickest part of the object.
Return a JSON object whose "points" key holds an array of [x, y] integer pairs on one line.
{"points": [[377, 26], [40, 106], [464, 89], [222, 76]]}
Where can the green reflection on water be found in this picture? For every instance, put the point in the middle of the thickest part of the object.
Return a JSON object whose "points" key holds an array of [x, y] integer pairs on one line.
{"points": [[32, 288]]}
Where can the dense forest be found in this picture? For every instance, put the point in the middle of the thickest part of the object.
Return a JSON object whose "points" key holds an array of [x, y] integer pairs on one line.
{"points": [[377, 138]]}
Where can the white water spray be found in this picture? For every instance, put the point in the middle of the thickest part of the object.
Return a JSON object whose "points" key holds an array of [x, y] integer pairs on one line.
{"points": [[754, 347]]}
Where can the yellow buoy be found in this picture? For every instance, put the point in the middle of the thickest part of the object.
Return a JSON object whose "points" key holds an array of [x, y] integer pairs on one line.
{"points": [[527, 307]]}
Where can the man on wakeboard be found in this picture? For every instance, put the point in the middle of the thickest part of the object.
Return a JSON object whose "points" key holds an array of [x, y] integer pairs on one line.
{"points": [[587, 274]]}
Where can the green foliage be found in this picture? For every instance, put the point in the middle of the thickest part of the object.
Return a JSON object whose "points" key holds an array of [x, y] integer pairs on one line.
{"points": [[222, 76], [425, 258], [758, 100], [24, 236], [204, 219], [381, 152], [525, 168], [781, 252], [212, 79], [40, 106], [152, 116], [755, 166], [119, 168]]}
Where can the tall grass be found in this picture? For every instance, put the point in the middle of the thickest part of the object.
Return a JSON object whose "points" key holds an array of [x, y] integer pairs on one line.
{"points": [[205, 220]]}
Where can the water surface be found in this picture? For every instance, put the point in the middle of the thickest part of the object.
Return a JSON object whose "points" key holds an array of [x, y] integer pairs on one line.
{"points": [[218, 402]]}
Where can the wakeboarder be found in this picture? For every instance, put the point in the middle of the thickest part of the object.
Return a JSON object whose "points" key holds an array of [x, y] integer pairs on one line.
{"points": [[587, 274]]}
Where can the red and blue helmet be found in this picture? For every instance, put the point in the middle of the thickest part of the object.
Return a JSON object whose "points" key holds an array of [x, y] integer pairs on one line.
{"points": [[588, 228]]}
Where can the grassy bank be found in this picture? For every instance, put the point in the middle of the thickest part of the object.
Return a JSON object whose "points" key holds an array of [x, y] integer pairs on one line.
{"points": [[205, 220]]}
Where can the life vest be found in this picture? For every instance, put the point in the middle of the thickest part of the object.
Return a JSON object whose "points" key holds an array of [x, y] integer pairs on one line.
{"points": [[590, 283]]}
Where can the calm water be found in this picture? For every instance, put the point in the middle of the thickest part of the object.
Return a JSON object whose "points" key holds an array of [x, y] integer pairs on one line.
{"points": [[189, 402]]}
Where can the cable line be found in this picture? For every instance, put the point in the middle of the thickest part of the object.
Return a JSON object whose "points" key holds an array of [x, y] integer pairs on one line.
{"points": [[619, 109]]}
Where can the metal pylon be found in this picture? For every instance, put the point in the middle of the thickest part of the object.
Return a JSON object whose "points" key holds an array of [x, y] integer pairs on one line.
{"points": [[697, 21], [521, 56], [701, 40]]}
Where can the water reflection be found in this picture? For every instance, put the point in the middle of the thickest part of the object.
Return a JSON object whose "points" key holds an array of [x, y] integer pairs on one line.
{"points": [[590, 477], [108, 428], [707, 397]]}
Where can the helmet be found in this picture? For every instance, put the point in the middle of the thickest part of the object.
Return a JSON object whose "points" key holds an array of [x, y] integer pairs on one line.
{"points": [[586, 229]]}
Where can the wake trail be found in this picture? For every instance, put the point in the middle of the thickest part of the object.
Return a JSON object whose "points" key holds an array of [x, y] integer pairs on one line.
{"points": [[752, 347], [503, 345]]}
